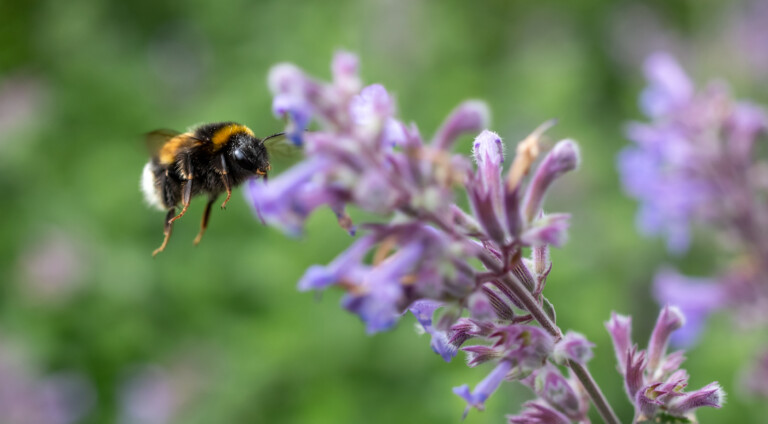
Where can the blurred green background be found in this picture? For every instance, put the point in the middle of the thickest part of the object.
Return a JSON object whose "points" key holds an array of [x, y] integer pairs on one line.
{"points": [[218, 333]]}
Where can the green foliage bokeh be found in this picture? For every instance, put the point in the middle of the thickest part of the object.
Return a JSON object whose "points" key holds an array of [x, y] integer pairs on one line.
{"points": [[104, 72]]}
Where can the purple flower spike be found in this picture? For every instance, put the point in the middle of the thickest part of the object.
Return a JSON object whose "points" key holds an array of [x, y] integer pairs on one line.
{"points": [[669, 320], [424, 251], [564, 157], [469, 117], [711, 395], [476, 398], [539, 413], [696, 298], [620, 329], [573, 346]]}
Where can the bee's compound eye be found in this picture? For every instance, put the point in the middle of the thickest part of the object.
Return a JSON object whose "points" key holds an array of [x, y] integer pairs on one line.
{"points": [[239, 154]]}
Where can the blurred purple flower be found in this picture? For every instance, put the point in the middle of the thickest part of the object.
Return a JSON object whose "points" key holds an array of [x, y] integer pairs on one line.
{"points": [[755, 378], [158, 395], [29, 398], [683, 168], [696, 298], [53, 267]]}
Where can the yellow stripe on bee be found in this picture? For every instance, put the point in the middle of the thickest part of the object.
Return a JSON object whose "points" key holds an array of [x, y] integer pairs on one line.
{"points": [[168, 152], [221, 136]]}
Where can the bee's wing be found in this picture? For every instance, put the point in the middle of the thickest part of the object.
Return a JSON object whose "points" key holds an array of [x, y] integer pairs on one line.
{"points": [[279, 146], [157, 138]]}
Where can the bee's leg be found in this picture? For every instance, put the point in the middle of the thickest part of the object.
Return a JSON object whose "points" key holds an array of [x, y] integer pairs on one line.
{"points": [[206, 215], [225, 178], [186, 187], [166, 230]]}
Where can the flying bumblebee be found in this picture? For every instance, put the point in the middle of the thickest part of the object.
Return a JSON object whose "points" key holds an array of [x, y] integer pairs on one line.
{"points": [[210, 159]]}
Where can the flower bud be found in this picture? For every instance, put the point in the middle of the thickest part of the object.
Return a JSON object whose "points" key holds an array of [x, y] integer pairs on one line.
{"points": [[573, 346], [620, 329], [564, 157], [469, 117], [670, 319]]}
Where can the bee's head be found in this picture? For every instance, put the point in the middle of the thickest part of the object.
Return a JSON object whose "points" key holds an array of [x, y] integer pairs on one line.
{"points": [[249, 153]]}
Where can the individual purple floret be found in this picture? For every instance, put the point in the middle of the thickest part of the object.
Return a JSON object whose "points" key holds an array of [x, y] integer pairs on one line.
{"points": [[461, 273], [653, 379]]}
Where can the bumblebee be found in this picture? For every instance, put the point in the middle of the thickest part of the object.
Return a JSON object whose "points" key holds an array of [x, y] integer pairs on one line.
{"points": [[208, 159]]}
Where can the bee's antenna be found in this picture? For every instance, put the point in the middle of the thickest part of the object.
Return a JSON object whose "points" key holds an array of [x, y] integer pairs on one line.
{"points": [[273, 136]]}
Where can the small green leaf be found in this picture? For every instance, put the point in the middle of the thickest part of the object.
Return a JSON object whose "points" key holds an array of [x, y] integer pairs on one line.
{"points": [[549, 309]]}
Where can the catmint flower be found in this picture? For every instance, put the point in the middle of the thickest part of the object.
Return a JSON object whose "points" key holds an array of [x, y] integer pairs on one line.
{"points": [[653, 380], [441, 344], [476, 398]]}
